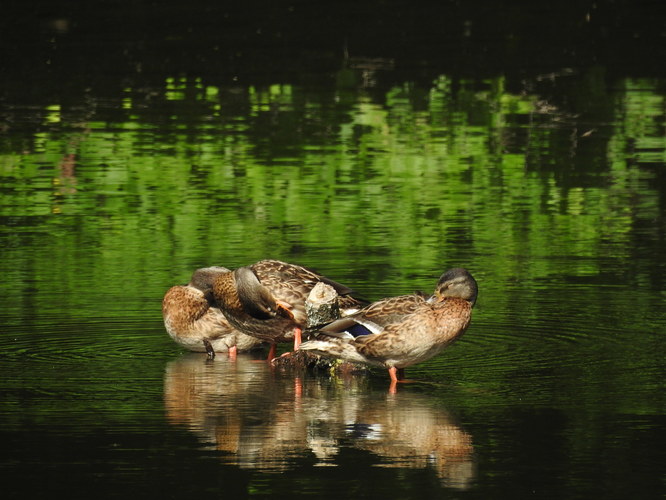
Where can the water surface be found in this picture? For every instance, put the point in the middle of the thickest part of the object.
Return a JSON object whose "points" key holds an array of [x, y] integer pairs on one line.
{"points": [[545, 178]]}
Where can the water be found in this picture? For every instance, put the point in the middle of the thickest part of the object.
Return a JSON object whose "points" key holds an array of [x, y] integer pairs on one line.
{"points": [[539, 166]]}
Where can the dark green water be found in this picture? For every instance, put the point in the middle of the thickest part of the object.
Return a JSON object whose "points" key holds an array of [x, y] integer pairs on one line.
{"points": [[139, 144]]}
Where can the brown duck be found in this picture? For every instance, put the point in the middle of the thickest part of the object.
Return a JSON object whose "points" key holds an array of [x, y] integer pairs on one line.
{"points": [[267, 300], [401, 331], [194, 321]]}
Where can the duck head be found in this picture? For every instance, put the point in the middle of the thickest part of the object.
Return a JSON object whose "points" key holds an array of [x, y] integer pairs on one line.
{"points": [[456, 282], [256, 299], [204, 277]]}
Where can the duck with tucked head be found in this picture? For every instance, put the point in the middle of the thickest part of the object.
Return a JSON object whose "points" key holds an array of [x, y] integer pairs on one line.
{"points": [[398, 332], [194, 321], [267, 300]]}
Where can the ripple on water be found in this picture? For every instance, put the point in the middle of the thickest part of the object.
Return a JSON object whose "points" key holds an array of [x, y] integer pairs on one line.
{"points": [[82, 340], [549, 330], [574, 358], [540, 348], [81, 372]]}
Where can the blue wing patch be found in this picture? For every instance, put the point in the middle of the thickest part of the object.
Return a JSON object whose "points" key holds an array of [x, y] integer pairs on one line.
{"points": [[358, 330]]}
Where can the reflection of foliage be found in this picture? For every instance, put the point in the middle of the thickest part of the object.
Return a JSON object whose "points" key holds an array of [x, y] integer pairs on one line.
{"points": [[408, 181], [556, 214]]}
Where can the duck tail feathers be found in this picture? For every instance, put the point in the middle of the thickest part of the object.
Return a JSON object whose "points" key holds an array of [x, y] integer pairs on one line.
{"points": [[333, 347]]}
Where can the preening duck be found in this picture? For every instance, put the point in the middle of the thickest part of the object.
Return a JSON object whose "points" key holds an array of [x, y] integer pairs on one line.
{"points": [[193, 320], [266, 300], [398, 332]]}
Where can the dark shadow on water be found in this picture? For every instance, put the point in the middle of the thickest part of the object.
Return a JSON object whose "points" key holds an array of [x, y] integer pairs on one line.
{"points": [[258, 419]]}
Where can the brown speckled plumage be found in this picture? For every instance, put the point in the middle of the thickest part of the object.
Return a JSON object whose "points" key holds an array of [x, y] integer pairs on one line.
{"points": [[192, 318], [405, 330], [267, 299]]}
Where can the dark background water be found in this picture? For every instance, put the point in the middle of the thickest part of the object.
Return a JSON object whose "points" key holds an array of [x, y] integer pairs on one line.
{"points": [[380, 143]]}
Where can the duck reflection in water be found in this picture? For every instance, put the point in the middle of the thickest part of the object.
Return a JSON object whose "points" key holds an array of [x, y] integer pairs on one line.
{"points": [[194, 321], [261, 420], [398, 332]]}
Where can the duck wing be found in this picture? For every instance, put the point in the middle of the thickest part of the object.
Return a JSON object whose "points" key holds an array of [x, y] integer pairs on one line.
{"points": [[275, 272], [374, 318]]}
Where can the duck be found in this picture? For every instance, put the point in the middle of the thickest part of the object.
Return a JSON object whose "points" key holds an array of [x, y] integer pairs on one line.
{"points": [[267, 299], [398, 332], [194, 321]]}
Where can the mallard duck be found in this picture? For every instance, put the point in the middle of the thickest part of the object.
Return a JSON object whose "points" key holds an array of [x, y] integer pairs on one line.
{"points": [[267, 300], [194, 321], [401, 331]]}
